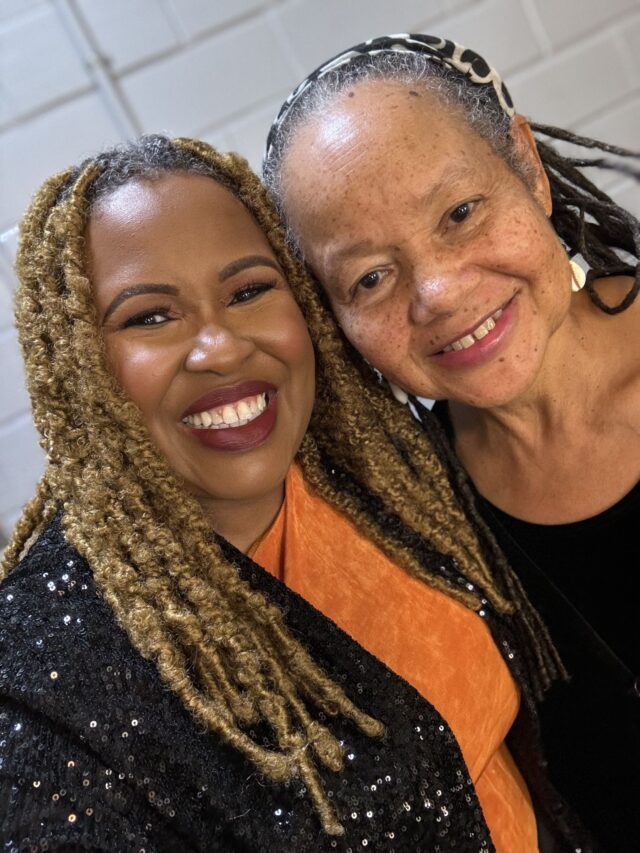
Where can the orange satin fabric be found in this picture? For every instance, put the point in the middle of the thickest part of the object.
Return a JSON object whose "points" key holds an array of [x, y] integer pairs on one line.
{"points": [[440, 647]]}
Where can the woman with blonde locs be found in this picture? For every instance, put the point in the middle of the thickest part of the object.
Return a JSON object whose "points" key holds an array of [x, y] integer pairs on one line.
{"points": [[159, 690], [450, 237]]}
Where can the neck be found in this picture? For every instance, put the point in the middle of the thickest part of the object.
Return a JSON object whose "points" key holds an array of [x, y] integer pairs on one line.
{"points": [[243, 522]]}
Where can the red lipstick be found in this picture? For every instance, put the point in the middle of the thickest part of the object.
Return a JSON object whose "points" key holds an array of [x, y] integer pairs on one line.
{"points": [[239, 438], [231, 394]]}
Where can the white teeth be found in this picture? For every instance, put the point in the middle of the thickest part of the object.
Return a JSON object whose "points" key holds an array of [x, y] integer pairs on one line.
{"points": [[230, 415], [469, 340]]}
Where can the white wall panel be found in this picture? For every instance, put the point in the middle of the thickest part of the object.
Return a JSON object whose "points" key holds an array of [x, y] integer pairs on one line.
{"points": [[37, 62], [30, 152], [129, 31], [198, 16], [567, 21], [222, 76]]}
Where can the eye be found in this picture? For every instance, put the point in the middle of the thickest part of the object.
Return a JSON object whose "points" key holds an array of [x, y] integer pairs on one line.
{"points": [[370, 280], [153, 317], [461, 212], [249, 292]]}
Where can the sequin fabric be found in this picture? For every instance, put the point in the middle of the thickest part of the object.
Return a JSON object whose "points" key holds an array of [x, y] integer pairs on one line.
{"points": [[96, 753]]}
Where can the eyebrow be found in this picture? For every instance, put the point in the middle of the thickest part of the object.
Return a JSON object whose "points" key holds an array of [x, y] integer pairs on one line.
{"points": [[244, 263], [136, 290], [226, 272]]}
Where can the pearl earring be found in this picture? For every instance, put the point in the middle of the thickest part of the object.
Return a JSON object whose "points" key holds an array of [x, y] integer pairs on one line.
{"points": [[400, 395], [578, 276]]}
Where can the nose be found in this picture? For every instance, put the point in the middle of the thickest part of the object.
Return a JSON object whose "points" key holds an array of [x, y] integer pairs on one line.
{"points": [[440, 289], [219, 349]]}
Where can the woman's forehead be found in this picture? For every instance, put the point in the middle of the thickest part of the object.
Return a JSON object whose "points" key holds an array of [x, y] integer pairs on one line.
{"points": [[176, 219], [381, 132]]}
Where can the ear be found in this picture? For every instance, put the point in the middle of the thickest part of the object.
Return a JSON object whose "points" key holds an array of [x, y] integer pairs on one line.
{"points": [[527, 152]]}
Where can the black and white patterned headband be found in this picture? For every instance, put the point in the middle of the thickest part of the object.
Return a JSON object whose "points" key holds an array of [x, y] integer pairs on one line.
{"points": [[466, 61]]}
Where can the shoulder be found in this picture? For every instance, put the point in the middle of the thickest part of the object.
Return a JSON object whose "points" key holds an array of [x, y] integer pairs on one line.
{"points": [[49, 601], [62, 653], [84, 719]]}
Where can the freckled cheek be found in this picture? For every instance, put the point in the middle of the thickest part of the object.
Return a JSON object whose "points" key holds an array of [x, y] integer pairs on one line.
{"points": [[381, 340]]}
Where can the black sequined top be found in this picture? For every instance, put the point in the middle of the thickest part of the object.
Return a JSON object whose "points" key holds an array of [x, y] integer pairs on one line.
{"points": [[97, 754]]}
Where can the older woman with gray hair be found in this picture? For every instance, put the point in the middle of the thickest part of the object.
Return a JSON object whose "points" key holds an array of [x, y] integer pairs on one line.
{"points": [[443, 227]]}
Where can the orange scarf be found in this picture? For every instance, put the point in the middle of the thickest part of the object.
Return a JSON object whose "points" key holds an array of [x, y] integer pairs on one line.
{"points": [[441, 648]]}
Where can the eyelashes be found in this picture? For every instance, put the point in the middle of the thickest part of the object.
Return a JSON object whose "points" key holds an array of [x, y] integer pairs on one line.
{"points": [[150, 317], [159, 315], [249, 292]]}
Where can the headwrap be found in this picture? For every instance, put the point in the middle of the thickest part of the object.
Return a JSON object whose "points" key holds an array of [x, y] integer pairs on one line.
{"points": [[446, 52]]}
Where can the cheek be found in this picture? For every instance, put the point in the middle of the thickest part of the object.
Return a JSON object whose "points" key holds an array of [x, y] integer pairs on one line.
{"points": [[296, 351], [288, 338], [139, 371], [381, 336]]}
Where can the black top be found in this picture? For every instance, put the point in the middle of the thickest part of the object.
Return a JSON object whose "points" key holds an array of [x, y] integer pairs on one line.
{"points": [[595, 563], [584, 579], [97, 754]]}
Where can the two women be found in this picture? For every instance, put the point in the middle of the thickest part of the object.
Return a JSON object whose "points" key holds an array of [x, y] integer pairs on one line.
{"points": [[442, 230], [159, 690]]}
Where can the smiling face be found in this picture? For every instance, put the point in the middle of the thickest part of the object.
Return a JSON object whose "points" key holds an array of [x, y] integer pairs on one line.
{"points": [[440, 264], [203, 334]]}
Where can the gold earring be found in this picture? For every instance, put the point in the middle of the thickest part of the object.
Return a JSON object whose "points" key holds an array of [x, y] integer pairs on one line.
{"points": [[400, 395], [578, 276]]}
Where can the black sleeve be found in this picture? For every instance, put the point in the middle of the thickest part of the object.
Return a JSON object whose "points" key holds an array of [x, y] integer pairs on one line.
{"points": [[56, 794]]}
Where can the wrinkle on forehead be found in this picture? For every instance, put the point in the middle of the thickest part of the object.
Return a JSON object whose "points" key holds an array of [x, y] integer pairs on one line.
{"points": [[361, 126]]}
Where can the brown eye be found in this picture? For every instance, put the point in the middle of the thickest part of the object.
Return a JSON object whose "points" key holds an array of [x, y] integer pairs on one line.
{"points": [[461, 212], [251, 292], [370, 280], [154, 317]]}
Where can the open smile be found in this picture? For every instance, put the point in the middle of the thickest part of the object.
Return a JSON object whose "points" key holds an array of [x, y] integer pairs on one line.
{"points": [[230, 415], [470, 338], [482, 341], [237, 418]]}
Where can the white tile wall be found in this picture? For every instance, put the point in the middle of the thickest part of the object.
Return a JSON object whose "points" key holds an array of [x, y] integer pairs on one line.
{"points": [[567, 22], [199, 16], [21, 464], [181, 94], [10, 9], [311, 26], [630, 35], [581, 81], [52, 140], [129, 31], [219, 68], [6, 303], [31, 47], [13, 394]]}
